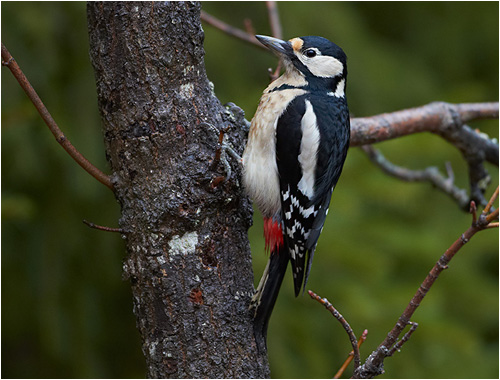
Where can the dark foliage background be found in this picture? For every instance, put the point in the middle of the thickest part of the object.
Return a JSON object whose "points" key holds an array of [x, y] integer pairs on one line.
{"points": [[67, 313]]}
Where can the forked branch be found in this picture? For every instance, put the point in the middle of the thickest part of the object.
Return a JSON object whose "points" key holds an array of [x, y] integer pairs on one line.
{"points": [[373, 366], [449, 122], [348, 361], [343, 322], [248, 35], [430, 174]]}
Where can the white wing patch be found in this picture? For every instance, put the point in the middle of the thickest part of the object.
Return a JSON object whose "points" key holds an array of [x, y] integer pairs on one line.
{"points": [[339, 91], [308, 151]]}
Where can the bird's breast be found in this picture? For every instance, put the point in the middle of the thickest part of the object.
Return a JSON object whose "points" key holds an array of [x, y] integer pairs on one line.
{"points": [[260, 171]]}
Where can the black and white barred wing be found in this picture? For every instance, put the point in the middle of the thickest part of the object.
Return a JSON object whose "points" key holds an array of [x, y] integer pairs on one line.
{"points": [[310, 154]]}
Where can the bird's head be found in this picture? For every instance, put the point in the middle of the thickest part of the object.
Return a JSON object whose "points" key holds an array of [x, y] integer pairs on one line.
{"points": [[312, 56]]}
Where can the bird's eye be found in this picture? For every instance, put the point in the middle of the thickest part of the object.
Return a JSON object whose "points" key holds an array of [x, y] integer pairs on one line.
{"points": [[310, 53]]}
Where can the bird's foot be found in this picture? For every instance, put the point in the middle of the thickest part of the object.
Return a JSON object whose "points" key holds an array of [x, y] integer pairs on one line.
{"points": [[223, 150]]}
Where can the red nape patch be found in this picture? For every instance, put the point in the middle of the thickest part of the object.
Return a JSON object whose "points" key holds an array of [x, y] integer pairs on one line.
{"points": [[273, 235]]}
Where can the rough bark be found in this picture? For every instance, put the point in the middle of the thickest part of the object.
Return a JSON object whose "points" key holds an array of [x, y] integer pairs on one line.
{"points": [[188, 258]]}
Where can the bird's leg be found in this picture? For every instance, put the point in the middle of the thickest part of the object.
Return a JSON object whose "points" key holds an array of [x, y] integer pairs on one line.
{"points": [[223, 149]]}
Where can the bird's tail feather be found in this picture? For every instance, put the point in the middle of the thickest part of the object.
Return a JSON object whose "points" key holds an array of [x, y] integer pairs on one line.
{"points": [[266, 296]]}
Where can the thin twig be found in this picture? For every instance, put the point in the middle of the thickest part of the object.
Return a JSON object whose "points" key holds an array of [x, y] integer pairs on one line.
{"points": [[231, 30], [490, 203], [374, 364], [273, 75], [274, 19], [430, 174], [490, 217], [277, 32], [249, 27], [348, 361], [10, 62], [441, 264], [406, 337], [343, 322], [473, 212], [249, 36], [103, 228]]}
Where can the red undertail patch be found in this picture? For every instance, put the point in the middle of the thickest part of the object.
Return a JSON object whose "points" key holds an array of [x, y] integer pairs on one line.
{"points": [[273, 235]]}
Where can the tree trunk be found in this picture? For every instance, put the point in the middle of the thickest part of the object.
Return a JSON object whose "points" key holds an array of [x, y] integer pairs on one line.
{"points": [[188, 256]]}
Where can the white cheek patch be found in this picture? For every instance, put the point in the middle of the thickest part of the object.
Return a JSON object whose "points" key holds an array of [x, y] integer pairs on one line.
{"points": [[323, 66]]}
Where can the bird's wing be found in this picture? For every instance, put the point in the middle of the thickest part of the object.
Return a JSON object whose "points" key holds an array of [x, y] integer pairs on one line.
{"points": [[305, 198]]}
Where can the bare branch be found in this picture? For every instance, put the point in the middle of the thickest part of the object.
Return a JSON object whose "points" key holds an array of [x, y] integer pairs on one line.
{"points": [[103, 228], [490, 217], [342, 369], [447, 121], [343, 322], [473, 212], [437, 117], [10, 62], [231, 30], [374, 364], [274, 19], [249, 27], [430, 174], [406, 337], [273, 75], [248, 35], [491, 201]]}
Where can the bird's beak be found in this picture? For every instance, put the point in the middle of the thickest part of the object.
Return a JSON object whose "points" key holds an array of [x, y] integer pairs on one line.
{"points": [[277, 46]]}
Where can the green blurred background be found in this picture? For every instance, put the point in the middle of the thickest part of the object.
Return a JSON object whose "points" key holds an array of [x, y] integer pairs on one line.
{"points": [[66, 311]]}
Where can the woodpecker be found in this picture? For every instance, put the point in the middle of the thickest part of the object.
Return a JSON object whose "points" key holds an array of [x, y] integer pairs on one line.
{"points": [[296, 149]]}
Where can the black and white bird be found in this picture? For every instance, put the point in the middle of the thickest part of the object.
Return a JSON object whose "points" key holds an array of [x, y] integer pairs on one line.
{"points": [[296, 148]]}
